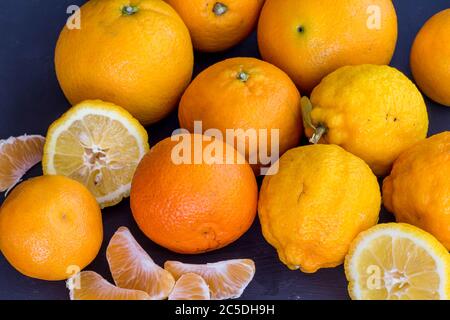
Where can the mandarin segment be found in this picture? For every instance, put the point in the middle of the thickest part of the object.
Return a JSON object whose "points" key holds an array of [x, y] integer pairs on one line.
{"points": [[190, 286], [132, 268], [226, 279], [17, 156], [89, 285]]}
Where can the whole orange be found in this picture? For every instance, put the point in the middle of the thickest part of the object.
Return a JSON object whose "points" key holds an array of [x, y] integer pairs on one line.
{"points": [[50, 226], [218, 25], [430, 58], [245, 93], [196, 205], [136, 54], [309, 39]]}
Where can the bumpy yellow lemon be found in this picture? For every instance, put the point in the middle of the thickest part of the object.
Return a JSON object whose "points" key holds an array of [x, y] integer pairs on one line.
{"points": [[374, 112], [418, 189], [311, 210]]}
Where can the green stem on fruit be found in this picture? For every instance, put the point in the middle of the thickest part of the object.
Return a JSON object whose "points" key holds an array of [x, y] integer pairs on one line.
{"points": [[129, 10], [320, 131], [243, 76], [219, 9]]}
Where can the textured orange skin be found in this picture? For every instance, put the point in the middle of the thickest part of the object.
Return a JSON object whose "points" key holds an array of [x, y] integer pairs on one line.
{"points": [[430, 58], [335, 34], [192, 208], [142, 62], [418, 189], [213, 33], [49, 223], [268, 100]]}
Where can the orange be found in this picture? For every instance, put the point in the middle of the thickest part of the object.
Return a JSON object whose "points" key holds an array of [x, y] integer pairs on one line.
{"points": [[226, 279], [430, 58], [89, 285], [218, 25], [309, 39], [245, 93], [190, 286], [193, 201], [50, 226], [136, 54], [132, 268], [17, 156], [418, 189]]}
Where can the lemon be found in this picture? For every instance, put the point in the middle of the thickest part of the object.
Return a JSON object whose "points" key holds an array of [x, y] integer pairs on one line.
{"points": [[321, 198], [374, 112], [397, 261], [98, 144]]}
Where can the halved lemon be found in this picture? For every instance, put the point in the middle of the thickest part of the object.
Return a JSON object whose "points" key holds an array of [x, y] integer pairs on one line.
{"points": [[98, 144], [17, 156], [88, 285], [132, 268], [396, 261], [190, 286], [226, 279]]}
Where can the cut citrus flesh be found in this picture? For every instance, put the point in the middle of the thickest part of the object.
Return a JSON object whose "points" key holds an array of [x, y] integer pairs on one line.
{"points": [[91, 286], [190, 286], [226, 279], [17, 156], [100, 145], [132, 268], [397, 261]]}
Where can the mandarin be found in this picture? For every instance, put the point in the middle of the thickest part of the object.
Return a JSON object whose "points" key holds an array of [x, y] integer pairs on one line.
{"points": [[192, 207]]}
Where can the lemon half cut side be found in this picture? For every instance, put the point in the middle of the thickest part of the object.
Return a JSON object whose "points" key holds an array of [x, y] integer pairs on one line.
{"points": [[98, 144], [397, 261]]}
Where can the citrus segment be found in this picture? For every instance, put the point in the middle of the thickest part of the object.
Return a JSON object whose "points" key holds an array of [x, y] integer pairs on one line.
{"points": [[17, 156], [397, 261], [89, 285], [132, 268], [190, 286], [226, 279], [98, 144]]}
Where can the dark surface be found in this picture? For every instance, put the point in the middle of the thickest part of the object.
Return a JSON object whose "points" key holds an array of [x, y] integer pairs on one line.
{"points": [[30, 100]]}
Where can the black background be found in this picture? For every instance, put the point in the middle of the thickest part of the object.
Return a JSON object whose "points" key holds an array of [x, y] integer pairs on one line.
{"points": [[30, 100]]}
